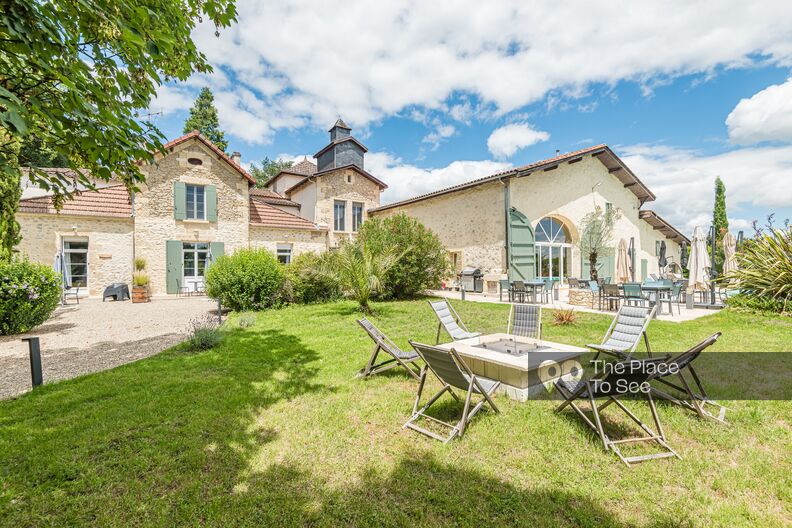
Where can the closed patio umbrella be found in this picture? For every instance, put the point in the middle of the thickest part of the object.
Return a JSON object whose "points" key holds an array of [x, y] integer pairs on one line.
{"points": [[622, 263], [662, 261], [698, 262], [729, 253]]}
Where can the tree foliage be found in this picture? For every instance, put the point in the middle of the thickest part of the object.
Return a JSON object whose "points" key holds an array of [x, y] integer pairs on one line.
{"points": [[423, 262], [596, 234], [250, 279], [268, 170], [358, 269], [74, 74], [203, 117], [721, 222]]}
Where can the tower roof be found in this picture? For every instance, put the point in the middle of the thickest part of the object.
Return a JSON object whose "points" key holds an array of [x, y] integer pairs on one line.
{"points": [[340, 124]]}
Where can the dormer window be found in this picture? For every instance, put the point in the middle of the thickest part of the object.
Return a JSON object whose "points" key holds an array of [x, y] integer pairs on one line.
{"points": [[196, 202]]}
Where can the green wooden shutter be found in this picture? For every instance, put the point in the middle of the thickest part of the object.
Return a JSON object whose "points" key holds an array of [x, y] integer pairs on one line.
{"points": [[173, 261], [179, 201], [644, 269], [217, 249], [211, 203], [522, 252]]}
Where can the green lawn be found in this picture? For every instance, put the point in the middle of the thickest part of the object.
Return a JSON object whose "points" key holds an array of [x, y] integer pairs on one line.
{"points": [[273, 429]]}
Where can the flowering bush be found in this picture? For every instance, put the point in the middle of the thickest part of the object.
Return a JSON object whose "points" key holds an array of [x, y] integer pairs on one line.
{"points": [[29, 293], [250, 279]]}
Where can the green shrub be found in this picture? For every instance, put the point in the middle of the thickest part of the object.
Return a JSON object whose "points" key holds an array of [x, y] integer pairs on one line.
{"points": [[250, 279], [764, 274], [754, 303], [305, 284], [204, 333], [29, 293], [423, 262]]}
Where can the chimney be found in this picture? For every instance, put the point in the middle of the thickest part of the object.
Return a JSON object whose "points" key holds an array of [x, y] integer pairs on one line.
{"points": [[236, 157]]}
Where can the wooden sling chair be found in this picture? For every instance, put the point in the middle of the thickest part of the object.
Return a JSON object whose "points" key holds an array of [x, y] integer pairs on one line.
{"points": [[689, 394], [450, 321], [525, 320], [398, 357], [452, 372], [609, 385], [625, 332]]}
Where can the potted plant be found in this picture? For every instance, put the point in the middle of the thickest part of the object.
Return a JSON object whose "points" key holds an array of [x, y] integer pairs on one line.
{"points": [[140, 282]]}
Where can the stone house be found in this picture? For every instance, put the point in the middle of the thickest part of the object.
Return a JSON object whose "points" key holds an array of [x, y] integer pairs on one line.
{"points": [[196, 204], [524, 223]]}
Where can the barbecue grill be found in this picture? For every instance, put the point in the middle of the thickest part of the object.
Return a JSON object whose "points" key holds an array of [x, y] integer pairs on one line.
{"points": [[472, 280]]}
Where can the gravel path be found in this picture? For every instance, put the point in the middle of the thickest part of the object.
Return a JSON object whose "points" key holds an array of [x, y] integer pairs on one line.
{"points": [[97, 336]]}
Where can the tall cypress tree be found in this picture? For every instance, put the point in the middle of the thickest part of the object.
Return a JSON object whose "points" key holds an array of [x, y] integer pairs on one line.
{"points": [[720, 221], [203, 117]]}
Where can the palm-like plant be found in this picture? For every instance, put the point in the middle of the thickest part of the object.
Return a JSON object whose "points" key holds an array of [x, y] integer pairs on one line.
{"points": [[358, 270], [765, 267]]}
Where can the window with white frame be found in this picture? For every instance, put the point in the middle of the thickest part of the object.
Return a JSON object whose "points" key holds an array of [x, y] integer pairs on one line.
{"points": [[196, 256], [339, 215], [196, 202], [284, 253], [357, 215], [75, 262]]}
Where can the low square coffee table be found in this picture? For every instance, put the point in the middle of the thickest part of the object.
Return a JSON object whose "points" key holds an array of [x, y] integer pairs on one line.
{"points": [[523, 365]]}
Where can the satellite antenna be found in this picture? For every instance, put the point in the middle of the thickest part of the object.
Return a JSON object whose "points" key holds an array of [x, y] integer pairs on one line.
{"points": [[147, 116]]}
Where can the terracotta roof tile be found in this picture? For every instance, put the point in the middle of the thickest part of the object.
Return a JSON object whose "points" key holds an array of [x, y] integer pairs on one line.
{"points": [[265, 215], [271, 197], [304, 167], [109, 201]]}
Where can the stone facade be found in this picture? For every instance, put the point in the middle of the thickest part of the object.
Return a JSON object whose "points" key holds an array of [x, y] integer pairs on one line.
{"points": [[109, 244], [349, 186], [154, 207], [301, 241]]}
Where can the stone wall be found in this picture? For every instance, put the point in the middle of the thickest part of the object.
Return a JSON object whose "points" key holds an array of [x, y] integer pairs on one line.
{"points": [[581, 297], [302, 240], [154, 221], [109, 244], [336, 186], [469, 222]]}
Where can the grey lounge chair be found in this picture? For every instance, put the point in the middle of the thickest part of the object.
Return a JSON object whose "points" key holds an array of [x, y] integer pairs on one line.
{"points": [[450, 321], [399, 358], [607, 385], [687, 397], [525, 320], [452, 372], [625, 332]]}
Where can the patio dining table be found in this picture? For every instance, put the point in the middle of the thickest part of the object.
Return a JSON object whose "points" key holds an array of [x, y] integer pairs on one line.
{"points": [[655, 290], [523, 365]]}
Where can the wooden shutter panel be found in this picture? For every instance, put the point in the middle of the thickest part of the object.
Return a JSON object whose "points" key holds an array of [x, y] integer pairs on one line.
{"points": [[217, 249], [211, 203], [173, 265], [179, 201]]}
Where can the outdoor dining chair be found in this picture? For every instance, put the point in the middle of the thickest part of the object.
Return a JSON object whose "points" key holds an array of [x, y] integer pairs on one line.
{"points": [[518, 291], [453, 373], [505, 285], [525, 320], [625, 332], [673, 296], [611, 296], [609, 385], [596, 294], [633, 294], [690, 394], [450, 321], [547, 291], [398, 357], [573, 283]]}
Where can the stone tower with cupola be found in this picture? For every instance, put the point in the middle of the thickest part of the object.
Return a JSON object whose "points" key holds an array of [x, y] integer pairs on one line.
{"points": [[342, 151]]}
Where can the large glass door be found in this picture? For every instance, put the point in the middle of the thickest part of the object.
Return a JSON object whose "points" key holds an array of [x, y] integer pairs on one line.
{"points": [[195, 256], [553, 249]]}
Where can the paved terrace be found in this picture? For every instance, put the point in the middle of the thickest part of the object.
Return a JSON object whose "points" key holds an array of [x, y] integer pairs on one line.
{"points": [[561, 304]]}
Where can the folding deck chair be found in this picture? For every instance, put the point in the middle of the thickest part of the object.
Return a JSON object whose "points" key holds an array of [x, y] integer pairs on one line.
{"points": [[399, 358], [624, 333], [450, 320], [452, 371], [610, 385], [688, 398], [525, 320]]}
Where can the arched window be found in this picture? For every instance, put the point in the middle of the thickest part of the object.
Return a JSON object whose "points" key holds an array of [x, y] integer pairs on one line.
{"points": [[553, 249], [552, 230]]}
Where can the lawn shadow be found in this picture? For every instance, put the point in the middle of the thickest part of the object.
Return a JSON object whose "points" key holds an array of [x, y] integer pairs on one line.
{"points": [[418, 491], [183, 415]]}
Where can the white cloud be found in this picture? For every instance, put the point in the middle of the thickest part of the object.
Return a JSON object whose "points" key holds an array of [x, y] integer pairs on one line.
{"points": [[171, 99], [405, 180], [311, 60], [767, 116], [508, 139], [683, 181]]}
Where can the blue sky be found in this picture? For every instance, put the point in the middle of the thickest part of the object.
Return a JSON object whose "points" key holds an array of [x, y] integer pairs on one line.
{"points": [[443, 93]]}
